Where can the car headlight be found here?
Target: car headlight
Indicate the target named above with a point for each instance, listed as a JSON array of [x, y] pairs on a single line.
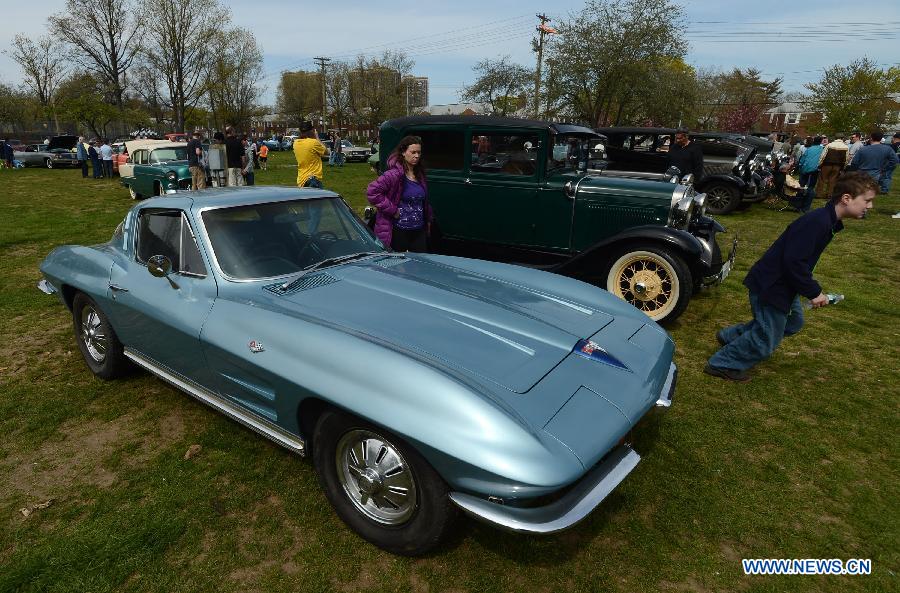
[[172, 175], [683, 205]]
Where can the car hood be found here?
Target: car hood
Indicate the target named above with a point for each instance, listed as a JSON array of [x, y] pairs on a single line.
[[508, 334]]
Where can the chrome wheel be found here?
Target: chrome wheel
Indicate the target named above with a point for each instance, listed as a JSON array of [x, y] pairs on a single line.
[[646, 281], [48, 163], [93, 334], [376, 477]]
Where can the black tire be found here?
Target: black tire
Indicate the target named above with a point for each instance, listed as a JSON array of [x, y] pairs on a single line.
[[48, 163], [721, 198], [423, 515], [98, 343], [651, 278]]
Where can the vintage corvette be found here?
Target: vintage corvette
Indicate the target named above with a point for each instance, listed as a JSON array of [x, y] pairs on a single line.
[[419, 384]]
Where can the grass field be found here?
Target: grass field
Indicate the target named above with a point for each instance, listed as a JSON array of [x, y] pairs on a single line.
[[800, 463]]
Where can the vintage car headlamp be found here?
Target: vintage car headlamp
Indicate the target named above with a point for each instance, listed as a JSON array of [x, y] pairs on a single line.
[[172, 175], [683, 205], [736, 163]]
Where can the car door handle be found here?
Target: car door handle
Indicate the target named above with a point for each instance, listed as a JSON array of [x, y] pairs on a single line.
[[117, 288]]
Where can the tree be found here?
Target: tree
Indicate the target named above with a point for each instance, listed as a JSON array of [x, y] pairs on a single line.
[[81, 99], [299, 96], [499, 83], [105, 36], [853, 97], [43, 68], [180, 35], [16, 107], [603, 56], [375, 86], [734, 101], [233, 79], [337, 93]]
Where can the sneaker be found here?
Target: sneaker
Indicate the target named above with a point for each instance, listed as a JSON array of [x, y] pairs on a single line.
[[896, 215], [720, 338], [728, 374]]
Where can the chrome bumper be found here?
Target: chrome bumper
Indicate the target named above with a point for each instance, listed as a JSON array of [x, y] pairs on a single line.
[[726, 269], [668, 389], [574, 506], [46, 287]]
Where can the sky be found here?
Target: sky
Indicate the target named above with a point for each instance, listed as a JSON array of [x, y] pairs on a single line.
[[792, 40]]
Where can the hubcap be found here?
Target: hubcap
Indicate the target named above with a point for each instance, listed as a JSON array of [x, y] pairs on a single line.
[[92, 334], [717, 198], [376, 477]]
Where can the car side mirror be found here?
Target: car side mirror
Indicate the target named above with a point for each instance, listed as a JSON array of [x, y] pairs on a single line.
[[159, 266]]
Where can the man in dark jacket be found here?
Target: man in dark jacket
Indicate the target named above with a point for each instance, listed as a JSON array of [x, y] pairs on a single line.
[[686, 155], [782, 275]]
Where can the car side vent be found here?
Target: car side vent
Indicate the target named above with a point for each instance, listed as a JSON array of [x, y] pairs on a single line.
[[305, 283], [389, 262]]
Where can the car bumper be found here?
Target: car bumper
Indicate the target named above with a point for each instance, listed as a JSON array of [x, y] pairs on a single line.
[[579, 501], [723, 273]]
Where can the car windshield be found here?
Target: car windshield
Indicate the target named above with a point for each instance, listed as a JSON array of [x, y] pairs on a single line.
[[570, 151], [175, 153], [281, 238]]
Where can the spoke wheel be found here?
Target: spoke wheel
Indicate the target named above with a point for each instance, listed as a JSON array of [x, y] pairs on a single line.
[[98, 343], [651, 280], [380, 486], [721, 199]]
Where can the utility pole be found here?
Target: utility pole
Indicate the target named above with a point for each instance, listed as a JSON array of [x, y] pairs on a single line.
[[322, 62], [542, 29]]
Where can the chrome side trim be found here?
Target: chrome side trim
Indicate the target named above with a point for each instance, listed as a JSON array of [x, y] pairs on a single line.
[[668, 389], [46, 287], [574, 506], [267, 429]]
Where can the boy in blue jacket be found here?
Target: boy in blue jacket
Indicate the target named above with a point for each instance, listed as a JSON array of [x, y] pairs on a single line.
[[783, 274]]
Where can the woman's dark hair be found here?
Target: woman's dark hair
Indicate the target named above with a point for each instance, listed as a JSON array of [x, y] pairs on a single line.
[[397, 155]]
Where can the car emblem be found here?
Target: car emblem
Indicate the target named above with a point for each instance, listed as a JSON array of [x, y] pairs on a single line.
[[595, 351], [255, 346]]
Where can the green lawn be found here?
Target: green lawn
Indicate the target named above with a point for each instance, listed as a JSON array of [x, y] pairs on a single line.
[[800, 463]]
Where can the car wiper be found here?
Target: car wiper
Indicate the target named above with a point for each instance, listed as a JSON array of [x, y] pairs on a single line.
[[333, 261]]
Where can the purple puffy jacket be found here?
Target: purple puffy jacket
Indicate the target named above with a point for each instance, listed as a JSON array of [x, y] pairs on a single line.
[[385, 192]]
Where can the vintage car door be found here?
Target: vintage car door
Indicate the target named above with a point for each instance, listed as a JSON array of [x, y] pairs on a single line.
[[126, 169], [161, 318], [499, 194]]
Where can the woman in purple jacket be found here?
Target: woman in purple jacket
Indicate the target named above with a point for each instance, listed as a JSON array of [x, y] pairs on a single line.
[[400, 197]]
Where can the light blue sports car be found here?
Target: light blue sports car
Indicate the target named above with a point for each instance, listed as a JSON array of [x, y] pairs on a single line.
[[419, 384]]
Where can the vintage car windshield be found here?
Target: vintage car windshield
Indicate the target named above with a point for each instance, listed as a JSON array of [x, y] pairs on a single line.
[[570, 151], [162, 155], [280, 238]]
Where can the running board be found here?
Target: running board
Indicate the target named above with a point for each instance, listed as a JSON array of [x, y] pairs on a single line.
[[267, 429]]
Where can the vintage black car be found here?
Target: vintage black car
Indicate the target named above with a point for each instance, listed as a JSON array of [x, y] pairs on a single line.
[[526, 191], [729, 165]]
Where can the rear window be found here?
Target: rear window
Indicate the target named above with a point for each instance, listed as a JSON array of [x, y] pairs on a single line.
[[442, 149]]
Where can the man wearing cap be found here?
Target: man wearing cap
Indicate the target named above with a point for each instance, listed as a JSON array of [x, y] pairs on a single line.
[[308, 151]]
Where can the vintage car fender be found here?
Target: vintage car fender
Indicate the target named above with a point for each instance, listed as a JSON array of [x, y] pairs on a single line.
[[85, 268], [680, 240], [457, 425]]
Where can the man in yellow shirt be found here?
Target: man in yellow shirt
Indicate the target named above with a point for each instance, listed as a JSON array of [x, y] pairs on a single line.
[[308, 151]]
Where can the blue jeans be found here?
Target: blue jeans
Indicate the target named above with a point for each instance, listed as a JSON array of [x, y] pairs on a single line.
[[885, 181], [313, 182], [748, 344], [805, 199]]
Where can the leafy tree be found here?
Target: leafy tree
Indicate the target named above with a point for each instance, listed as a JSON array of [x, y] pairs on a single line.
[[853, 97], [499, 83], [16, 107], [376, 88], [337, 87], [233, 79], [105, 36], [299, 95], [735, 100], [80, 99], [603, 56]]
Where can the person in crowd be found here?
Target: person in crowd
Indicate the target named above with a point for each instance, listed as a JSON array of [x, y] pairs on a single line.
[[7, 154], [236, 158], [854, 146], [253, 149], [106, 156], [799, 148], [876, 159], [887, 176], [263, 157], [95, 159], [81, 154], [195, 161], [809, 173], [400, 196], [247, 171], [337, 150], [832, 161], [308, 151], [332, 154], [784, 274], [776, 144], [824, 141], [686, 155]]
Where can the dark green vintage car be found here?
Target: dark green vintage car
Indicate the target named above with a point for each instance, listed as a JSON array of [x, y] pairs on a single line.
[[531, 192], [155, 168]]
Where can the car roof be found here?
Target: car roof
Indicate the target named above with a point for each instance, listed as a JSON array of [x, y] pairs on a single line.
[[485, 120], [227, 197], [132, 145]]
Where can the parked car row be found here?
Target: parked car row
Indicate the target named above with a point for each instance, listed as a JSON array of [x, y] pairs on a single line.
[[58, 153]]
